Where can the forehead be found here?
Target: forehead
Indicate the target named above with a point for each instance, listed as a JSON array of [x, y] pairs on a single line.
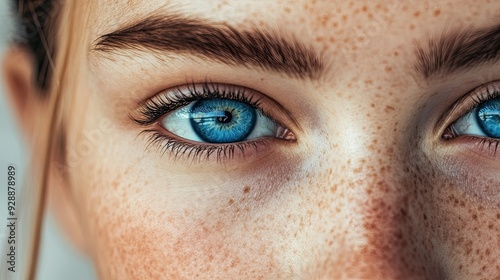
[[343, 30], [321, 16]]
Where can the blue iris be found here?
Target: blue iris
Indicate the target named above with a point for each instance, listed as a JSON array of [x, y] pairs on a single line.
[[222, 120], [488, 117]]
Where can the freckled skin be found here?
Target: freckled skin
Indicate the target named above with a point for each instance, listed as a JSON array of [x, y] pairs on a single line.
[[363, 194]]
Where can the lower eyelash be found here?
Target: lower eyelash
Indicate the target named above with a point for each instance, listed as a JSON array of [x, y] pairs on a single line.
[[486, 146], [179, 148]]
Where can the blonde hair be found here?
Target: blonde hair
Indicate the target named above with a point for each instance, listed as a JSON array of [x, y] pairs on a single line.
[[56, 85]]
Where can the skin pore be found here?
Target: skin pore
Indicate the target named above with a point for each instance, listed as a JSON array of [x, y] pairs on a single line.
[[369, 189]]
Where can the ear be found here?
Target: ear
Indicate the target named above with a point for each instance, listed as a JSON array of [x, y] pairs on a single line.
[[27, 104], [21, 92]]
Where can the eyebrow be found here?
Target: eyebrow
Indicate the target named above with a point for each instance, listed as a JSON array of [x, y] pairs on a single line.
[[458, 50], [265, 49]]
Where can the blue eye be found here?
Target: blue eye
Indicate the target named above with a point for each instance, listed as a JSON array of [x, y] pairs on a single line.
[[219, 120], [484, 121], [222, 120], [488, 117]]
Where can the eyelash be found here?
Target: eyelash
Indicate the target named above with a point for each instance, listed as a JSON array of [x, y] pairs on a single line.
[[478, 96], [153, 109]]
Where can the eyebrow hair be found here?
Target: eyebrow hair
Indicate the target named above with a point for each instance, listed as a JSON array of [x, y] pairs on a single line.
[[458, 50], [216, 41]]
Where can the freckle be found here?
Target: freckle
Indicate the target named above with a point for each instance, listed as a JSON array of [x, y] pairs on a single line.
[[490, 226], [437, 13], [396, 53], [412, 26], [287, 10], [246, 189], [230, 202], [344, 17], [320, 39], [364, 9], [368, 82], [416, 14], [388, 69], [474, 217], [388, 109]]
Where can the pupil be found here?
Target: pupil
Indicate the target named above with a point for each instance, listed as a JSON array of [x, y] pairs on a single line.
[[226, 118]]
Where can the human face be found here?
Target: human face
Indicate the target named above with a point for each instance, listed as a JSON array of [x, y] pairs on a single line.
[[367, 181]]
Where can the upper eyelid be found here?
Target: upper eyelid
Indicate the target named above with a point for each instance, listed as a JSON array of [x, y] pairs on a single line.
[[469, 100], [468, 103], [193, 87], [179, 96]]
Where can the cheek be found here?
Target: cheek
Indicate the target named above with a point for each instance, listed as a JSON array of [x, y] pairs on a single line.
[[141, 223], [459, 229], [464, 230], [133, 239]]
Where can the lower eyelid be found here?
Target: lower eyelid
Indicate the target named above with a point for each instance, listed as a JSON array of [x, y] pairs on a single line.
[[484, 147], [167, 144]]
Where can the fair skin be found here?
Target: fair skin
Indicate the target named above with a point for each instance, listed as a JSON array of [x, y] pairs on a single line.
[[369, 189]]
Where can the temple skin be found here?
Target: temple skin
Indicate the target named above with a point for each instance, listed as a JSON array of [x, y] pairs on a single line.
[[369, 190]]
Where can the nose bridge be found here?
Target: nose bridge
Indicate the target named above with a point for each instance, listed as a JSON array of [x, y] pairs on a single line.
[[374, 185]]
